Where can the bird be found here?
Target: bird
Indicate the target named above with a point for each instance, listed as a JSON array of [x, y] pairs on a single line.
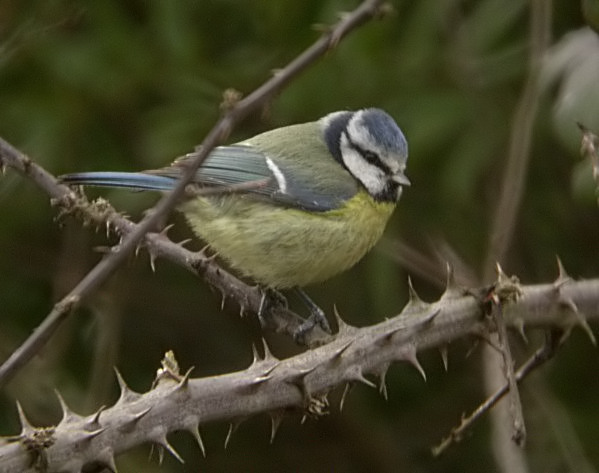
[[328, 188]]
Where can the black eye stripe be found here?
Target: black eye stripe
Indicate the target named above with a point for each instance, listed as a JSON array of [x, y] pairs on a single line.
[[370, 156]]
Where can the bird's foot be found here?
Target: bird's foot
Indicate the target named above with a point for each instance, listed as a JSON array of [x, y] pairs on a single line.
[[271, 299], [317, 317]]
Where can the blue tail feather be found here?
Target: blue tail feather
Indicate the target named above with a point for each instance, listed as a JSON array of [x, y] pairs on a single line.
[[127, 180]]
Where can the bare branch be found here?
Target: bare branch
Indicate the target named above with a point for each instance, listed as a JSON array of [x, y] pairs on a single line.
[[540, 357], [517, 417]]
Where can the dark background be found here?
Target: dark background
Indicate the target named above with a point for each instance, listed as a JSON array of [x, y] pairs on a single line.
[[128, 85]]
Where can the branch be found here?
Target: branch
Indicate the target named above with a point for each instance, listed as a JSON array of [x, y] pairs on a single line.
[[539, 358], [273, 386], [508, 205], [236, 111]]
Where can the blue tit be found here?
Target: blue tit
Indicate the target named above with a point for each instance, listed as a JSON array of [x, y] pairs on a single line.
[[329, 189]]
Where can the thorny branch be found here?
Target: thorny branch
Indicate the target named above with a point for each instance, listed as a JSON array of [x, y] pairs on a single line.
[[235, 112], [297, 384]]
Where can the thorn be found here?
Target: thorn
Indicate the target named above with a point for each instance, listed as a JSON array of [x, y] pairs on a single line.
[[106, 458], [129, 421], [387, 337], [26, 427], [444, 356], [428, 318], [499, 270], [182, 243], [166, 229], [67, 414], [298, 379], [562, 276], [94, 420], [255, 356], [258, 360], [275, 422], [90, 435], [160, 451], [268, 356], [409, 355], [519, 325], [152, 261], [164, 443], [582, 321], [265, 376], [127, 395], [194, 430], [223, 300], [452, 290], [232, 429], [343, 328], [415, 303], [346, 390], [414, 298], [585, 325], [268, 371], [382, 374], [141, 414], [355, 374], [341, 350], [184, 382]]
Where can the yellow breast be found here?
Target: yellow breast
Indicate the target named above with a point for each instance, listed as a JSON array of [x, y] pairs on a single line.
[[284, 247]]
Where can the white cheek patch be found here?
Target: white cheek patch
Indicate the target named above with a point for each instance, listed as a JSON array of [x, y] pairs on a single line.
[[371, 176], [279, 176]]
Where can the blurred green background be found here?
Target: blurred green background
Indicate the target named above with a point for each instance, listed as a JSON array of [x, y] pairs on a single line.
[[132, 84]]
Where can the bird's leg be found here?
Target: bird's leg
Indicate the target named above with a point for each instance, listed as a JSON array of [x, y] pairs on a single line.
[[271, 298], [317, 316]]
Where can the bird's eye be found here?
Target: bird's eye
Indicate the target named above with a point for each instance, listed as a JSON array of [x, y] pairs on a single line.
[[371, 157]]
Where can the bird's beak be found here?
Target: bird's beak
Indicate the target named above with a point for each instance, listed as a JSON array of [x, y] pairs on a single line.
[[401, 179]]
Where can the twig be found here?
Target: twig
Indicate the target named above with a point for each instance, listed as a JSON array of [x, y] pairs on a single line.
[[515, 406], [235, 113], [542, 355]]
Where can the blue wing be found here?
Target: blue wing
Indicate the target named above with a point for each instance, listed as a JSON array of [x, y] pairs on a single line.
[[289, 183]]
